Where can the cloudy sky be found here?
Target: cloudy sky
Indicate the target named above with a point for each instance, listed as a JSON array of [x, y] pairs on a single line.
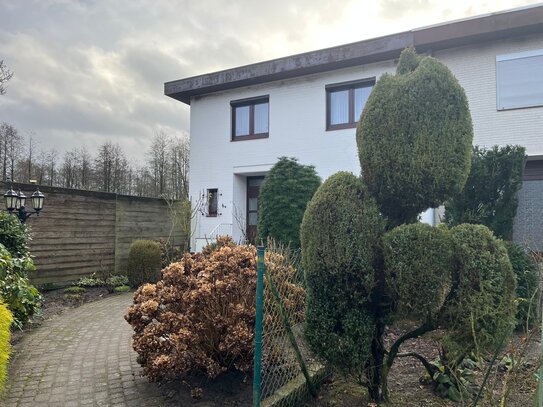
[[89, 71]]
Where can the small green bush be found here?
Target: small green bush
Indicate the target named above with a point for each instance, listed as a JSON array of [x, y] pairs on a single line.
[[74, 290], [340, 235], [121, 289], [418, 268], [113, 282], [21, 297], [527, 275], [490, 194], [284, 195], [143, 263], [14, 235], [91, 281], [6, 319]]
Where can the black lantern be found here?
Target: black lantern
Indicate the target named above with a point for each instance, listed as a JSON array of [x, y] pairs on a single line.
[[16, 202], [10, 198], [37, 200], [21, 200]]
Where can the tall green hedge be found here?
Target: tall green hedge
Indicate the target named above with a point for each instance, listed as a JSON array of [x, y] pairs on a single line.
[[414, 138], [490, 194], [340, 236], [284, 195]]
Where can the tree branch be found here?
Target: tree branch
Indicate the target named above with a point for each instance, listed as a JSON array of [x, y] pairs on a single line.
[[421, 330], [431, 369]]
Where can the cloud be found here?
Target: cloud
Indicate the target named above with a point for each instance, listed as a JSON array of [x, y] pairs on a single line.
[[89, 71]]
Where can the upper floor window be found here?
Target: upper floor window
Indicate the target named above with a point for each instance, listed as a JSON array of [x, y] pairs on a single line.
[[519, 80], [250, 118], [345, 102]]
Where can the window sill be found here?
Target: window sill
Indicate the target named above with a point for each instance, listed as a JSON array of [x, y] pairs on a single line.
[[250, 137], [341, 126]]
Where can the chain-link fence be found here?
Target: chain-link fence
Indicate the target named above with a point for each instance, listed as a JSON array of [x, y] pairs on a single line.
[[286, 372]]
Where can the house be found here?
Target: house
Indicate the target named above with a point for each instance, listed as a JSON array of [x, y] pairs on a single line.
[[307, 106]]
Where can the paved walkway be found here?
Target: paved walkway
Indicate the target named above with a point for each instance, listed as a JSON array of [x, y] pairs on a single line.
[[81, 358]]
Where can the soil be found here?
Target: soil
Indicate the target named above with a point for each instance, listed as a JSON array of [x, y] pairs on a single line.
[[231, 389], [408, 387]]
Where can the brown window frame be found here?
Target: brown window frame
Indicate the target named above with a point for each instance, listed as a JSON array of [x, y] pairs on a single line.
[[350, 86], [212, 192], [251, 102]]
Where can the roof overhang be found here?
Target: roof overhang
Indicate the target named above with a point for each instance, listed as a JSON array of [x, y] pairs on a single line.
[[494, 26]]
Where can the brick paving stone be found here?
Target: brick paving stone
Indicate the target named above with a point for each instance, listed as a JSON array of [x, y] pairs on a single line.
[[80, 358]]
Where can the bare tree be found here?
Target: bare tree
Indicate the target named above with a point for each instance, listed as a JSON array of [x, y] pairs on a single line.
[[5, 76], [179, 168], [51, 168], [84, 168], [10, 150], [158, 161], [68, 171]]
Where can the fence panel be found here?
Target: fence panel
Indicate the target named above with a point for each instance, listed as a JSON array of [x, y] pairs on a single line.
[[286, 362]]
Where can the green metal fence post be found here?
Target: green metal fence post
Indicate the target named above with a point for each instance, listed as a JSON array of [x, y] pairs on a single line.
[[540, 381], [260, 270], [290, 334]]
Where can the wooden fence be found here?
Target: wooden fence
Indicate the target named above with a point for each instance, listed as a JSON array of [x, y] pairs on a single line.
[[83, 232]]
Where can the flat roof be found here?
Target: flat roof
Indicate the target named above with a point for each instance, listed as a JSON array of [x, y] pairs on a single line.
[[520, 21]]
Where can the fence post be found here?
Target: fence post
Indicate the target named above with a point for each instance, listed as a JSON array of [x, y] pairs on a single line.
[[260, 270], [540, 381], [290, 334]]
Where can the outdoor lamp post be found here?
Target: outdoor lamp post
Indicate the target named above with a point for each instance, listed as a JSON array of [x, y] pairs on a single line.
[[16, 201]]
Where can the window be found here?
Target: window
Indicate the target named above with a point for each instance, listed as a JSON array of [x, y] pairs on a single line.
[[250, 118], [345, 102], [519, 80], [212, 201]]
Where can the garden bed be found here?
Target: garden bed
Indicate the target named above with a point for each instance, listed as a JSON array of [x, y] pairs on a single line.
[[408, 388]]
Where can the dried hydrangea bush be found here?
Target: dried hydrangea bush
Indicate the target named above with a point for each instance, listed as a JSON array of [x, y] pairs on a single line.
[[200, 317]]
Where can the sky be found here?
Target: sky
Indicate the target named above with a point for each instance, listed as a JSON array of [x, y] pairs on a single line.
[[91, 71]]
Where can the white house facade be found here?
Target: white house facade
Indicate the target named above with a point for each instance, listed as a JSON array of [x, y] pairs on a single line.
[[306, 106]]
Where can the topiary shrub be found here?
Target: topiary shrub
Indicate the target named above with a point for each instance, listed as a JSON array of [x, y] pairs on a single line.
[[5, 334], [14, 235], [340, 234], [490, 194], [414, 141], [200, 317], [481, 310], [418, 259], [284, 195], [21, 297], [414, 138], [527, 275], [143, 263]]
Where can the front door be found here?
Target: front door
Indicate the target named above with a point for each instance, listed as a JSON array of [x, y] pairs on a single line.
[[253, 190]]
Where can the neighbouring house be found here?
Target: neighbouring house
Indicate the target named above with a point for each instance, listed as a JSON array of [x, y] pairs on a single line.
[[307, 106]]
